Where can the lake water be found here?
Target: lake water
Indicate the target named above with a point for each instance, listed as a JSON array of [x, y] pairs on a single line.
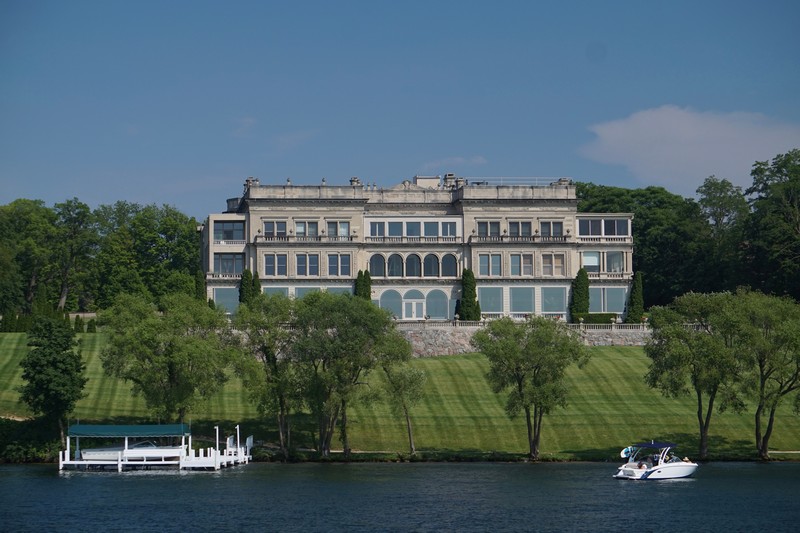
[[401, 497]]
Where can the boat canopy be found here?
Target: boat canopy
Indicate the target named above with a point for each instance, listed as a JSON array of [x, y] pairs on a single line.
[[145, 430]]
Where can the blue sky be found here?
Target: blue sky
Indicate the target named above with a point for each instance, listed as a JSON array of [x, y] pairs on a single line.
[[177, 102]]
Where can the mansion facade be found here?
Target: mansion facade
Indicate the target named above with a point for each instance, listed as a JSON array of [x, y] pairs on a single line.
[[524, 241]]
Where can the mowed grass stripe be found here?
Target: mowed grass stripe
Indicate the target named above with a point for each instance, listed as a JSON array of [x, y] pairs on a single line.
[[13, 347]]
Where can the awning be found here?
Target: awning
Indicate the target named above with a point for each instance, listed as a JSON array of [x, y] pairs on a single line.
[[145, 430]]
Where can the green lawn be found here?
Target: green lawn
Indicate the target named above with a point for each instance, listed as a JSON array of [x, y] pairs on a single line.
[[609, 406]]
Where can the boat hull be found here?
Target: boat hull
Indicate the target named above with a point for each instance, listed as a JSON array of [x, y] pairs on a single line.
[[664, 471]]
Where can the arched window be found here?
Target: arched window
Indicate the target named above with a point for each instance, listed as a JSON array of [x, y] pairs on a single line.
[[392, 302], [395, 266], [377, 266], [413, 266], [436, 305], [449, 268], [431, 266]]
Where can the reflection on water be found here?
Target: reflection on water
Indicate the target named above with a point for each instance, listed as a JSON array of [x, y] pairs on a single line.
[[401, 497]]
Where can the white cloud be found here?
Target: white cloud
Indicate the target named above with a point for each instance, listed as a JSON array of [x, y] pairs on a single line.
[[678, 148], [450, 163]]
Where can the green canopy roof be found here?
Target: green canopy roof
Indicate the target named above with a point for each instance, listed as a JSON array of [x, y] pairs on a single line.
[[146, 430]]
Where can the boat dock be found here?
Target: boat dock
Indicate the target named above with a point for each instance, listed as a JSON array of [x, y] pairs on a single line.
[[129, 456]]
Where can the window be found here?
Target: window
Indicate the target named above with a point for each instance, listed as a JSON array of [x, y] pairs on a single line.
[[554, 300], [521, 264], [377, 229], [553, 265], [339, 264], [448, 229], [431, 229], [590, 227], [431, 266], [607, 300], [491, 299], [413, 266], [377, 266], [591, 261], [489, 229], [552, 229], [521, 299], [307, 264], [395, 229], [307, 228], [519, 229], [412, 229], [436, 304], [489, 264], [229, 263], [614, 262], [616, 226], [449, 266], [275, 265], [274, 228], [338, 228], [228, 231], [395, 266]]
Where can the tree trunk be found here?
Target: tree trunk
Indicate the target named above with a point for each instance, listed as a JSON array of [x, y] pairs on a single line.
[[763, 445], [411, 446], [345, 440], [531, 449], [62, 432], [704, 422], [759, 446], [538, 415], [62, 300]]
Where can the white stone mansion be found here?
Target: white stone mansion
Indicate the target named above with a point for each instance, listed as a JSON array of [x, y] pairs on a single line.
[[523, 239]]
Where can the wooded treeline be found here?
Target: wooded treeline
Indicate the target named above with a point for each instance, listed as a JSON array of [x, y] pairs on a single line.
[[72, 258]]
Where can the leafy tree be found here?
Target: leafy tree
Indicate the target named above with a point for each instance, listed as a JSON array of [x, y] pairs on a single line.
[[636, 301], [773, 230], [174, 356], [767, 330], [529, 360], [78, 326], [698, 360], [91, 326], [74, 245], [363, 285], [53, 371], [340, 340], [470, 308], [405, 387], [266, 370], [256, 290], [579, 303], [200, 285], [246, 286], [116, 269]]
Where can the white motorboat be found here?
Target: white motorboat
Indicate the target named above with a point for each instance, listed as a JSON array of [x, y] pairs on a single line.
[[654, 460], [141, 450]]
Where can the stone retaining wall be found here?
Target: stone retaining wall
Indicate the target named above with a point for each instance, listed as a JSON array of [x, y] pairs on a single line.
[[433, 340]]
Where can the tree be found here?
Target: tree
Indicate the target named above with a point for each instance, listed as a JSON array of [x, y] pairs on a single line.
[[74, 245], [200, 285], [266, 369], [691, 351], [53, 371], [363, 285], [469, 308], [175, 355], [767, 330], [579, 304], [246, 286], [529, 360], [405, 387], [636, 301], [340, 340], [256, 290]]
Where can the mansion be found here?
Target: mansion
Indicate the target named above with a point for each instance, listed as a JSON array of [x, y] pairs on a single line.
[[524, 240]]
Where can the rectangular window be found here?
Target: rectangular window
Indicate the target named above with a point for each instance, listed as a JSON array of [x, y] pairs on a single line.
[[552, 229], [228, 231], [489, 229], [306, 228], [448, 229], [554, 300], [607, 300], [338, 228], [614, 262], [275, 265], [591, 261], [490, 264], [275, 228], [553, 265], [491, 299], [412, 229], [395, 229], [229, 263], [307, 264], [431, 229], [616, 227], [338, 264], [519, 229], [590, 227], [377, 229], [522, 264], [521, 299]]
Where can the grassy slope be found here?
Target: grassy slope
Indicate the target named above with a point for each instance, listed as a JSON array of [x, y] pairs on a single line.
[[609, 406]]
